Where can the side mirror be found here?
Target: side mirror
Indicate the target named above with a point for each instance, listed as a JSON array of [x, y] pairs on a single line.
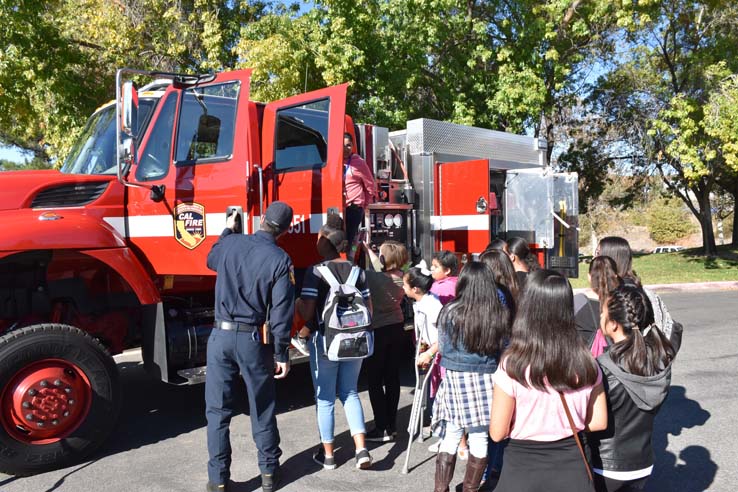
[[127, 129], [129, 110]]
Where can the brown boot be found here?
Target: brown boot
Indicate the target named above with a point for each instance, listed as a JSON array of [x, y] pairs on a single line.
[[474, 471], [445, 464]]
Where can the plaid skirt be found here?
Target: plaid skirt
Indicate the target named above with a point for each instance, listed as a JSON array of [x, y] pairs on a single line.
[[464, 398]]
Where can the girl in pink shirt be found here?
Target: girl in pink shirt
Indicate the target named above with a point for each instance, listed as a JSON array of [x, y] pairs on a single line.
[[545, 365], [444, 270]]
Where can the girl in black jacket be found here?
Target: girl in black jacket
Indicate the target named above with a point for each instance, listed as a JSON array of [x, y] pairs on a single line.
[[636, 373]]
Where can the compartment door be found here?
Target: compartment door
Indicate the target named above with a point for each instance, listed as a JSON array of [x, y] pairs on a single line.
[[302, 160], [564, 256], [462, 220]]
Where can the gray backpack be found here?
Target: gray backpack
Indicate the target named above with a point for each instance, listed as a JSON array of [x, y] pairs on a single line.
[[347, 333]]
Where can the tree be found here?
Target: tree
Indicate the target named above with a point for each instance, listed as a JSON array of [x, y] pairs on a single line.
[[668, 221], [60, 57], [721, 123], [36, 163], [676, 53], [498, 64]]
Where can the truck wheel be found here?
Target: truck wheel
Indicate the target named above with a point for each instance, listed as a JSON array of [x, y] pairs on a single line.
[[59, 397]]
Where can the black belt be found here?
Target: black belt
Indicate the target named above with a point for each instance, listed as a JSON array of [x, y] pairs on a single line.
[[235, 326]]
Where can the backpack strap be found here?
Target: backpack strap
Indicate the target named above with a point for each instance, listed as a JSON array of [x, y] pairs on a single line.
[[353, 276], [328, 276]]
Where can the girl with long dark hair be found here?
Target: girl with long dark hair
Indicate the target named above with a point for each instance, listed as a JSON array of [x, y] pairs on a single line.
[[472, 329], [619, 250], [546, 374], [504, 274], [522, 259], [603, 278], [637, 375]]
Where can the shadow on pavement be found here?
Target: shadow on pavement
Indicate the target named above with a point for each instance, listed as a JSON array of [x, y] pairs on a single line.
[[697, 470], [153, 411]]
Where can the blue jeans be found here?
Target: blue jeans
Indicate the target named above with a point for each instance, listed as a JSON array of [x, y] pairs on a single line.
[[331, 379]]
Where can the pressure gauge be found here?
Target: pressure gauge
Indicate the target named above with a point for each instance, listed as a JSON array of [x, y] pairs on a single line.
[[388, 221], [398, 220]]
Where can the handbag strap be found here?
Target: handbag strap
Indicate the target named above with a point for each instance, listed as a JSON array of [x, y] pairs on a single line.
[[576, 436]]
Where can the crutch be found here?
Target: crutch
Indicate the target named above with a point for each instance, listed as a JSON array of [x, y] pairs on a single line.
[[417, 410]]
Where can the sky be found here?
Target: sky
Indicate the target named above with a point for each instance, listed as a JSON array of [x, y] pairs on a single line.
[[13, 154]]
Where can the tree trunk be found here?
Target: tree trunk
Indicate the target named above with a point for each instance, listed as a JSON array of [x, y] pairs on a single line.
[[734, 241], [709, 248]]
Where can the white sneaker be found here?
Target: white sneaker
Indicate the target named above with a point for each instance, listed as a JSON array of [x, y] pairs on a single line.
[[301, 345], [433, 448]]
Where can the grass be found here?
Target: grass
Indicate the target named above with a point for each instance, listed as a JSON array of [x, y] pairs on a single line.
[[683, 267]]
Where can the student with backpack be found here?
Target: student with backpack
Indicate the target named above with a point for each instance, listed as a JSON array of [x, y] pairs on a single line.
[[637, 375], [603, 278], [472, 330], [335, 302], [547, 389]]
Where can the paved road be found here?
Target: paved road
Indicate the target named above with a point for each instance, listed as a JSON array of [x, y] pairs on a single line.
[[160, 442]]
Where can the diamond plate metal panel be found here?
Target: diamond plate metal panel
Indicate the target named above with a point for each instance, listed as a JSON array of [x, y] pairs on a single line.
[[438, 137]]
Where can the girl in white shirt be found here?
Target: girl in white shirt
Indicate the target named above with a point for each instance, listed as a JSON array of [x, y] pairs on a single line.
[[417, 284]]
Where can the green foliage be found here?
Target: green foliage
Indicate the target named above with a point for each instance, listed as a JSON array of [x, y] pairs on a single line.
[[668, 221], [36, 163], [60, 57], [656, 98]]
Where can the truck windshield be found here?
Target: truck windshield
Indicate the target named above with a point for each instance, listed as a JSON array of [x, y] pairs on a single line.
[[94, 152]]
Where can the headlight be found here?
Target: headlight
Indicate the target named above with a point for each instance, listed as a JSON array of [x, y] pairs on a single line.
[[388, 221], [398, 220]]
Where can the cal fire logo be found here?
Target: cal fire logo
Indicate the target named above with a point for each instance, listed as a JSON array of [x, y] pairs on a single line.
[[189, 224]]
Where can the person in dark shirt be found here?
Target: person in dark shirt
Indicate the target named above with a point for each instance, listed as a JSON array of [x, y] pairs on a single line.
[[254, 303]]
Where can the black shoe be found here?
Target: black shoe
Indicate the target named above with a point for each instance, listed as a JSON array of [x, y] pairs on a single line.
[[211, 487], [269, 481], [363, 459], [327, 462], [377, 435]]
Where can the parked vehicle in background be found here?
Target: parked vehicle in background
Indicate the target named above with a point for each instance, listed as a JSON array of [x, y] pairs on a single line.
[[667, 249]]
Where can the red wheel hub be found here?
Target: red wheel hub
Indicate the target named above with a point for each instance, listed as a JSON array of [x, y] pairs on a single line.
[[45, 401]]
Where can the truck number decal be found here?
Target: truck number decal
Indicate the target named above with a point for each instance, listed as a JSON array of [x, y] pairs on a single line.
[[298, 225]]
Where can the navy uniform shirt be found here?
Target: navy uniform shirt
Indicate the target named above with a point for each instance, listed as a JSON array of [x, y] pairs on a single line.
[[253, 272]]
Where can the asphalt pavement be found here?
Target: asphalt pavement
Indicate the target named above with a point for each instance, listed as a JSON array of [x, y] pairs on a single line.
[[159, 445]]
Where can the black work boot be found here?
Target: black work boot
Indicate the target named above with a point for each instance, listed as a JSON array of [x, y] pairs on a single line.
[[212, 487], [269, 481]]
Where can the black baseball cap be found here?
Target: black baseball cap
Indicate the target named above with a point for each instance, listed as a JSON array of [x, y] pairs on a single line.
[[278, 215]]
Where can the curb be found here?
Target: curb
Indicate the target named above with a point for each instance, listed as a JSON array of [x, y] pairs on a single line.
[[691, 287], [686, 287]]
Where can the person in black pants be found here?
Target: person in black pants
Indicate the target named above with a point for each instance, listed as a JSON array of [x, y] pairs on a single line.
[[383, 371], [254, 302]]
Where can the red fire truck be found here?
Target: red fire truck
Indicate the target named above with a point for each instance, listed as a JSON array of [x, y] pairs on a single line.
[[108, 253]]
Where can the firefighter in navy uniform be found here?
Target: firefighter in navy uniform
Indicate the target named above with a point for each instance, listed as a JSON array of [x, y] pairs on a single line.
[[254, 286]]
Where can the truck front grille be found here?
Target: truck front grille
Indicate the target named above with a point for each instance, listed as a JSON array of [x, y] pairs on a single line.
[[69, 195]]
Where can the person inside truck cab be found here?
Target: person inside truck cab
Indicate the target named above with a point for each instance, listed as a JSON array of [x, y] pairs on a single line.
[[359, 187]]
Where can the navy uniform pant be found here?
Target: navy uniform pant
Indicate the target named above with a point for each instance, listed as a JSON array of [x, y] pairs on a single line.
[[231, 354]]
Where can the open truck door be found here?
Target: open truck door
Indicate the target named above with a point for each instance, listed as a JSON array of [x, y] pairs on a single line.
[[462, 222], [542, 207], [302, 164]]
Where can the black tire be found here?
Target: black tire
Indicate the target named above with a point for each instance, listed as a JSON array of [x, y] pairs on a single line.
[[32, 344]]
